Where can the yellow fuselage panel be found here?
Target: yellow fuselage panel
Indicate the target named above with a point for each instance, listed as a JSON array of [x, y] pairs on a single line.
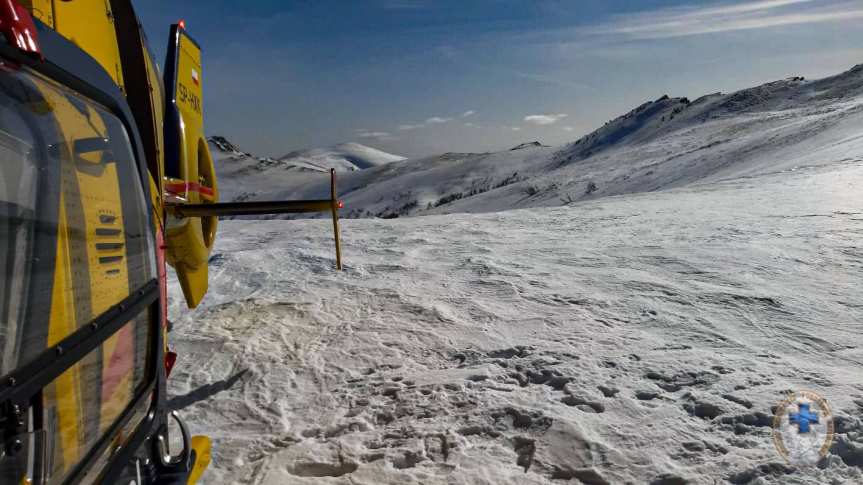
[[64, 390], [90, 25], [190, 240], [91, 180], [189, 103], [157, 105]]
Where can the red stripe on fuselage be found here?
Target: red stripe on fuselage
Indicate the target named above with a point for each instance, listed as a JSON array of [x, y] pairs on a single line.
[[183, 187]]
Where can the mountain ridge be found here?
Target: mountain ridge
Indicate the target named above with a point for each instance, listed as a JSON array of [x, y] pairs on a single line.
[[348, 156], [661, 144]]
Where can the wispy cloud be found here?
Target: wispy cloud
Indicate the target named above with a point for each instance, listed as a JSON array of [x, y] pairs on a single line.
[[568, 128], [750, 6], [692, 20], [545, 119], [376, 135], [436, 120]]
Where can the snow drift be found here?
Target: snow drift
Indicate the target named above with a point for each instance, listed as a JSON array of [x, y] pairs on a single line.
[[634, 339]]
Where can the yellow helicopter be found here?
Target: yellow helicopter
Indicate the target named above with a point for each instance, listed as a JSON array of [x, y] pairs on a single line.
[[105, 177]]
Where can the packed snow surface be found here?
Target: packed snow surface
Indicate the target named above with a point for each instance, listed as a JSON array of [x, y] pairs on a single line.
[[624, 340]]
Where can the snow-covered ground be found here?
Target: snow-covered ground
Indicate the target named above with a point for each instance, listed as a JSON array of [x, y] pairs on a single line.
[[640, 338]]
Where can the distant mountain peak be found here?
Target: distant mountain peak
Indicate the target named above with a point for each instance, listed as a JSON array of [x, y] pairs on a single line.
[[344, 157], [222, 143], [530, 144], [349, 156]]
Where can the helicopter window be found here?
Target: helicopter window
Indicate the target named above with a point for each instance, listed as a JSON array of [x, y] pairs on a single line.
[[17, 203], [81, 247]]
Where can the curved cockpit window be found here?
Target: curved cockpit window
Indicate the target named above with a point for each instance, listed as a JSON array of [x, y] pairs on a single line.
[[75, 240]]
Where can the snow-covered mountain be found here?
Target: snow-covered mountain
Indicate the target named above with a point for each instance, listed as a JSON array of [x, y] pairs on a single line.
[[662, 144], [242, 173], [343, 157]]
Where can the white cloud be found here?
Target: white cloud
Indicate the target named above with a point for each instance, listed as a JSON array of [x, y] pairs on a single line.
[[691, 20], [379, 135], [546, 119], [515, 128], [471, 125], [751, 6], [568, 128], [436, 120]]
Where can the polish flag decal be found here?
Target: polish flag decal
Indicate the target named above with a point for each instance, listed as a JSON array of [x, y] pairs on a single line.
[[195, 78]]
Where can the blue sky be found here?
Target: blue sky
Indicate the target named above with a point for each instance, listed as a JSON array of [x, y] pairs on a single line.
[[419, 77]]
